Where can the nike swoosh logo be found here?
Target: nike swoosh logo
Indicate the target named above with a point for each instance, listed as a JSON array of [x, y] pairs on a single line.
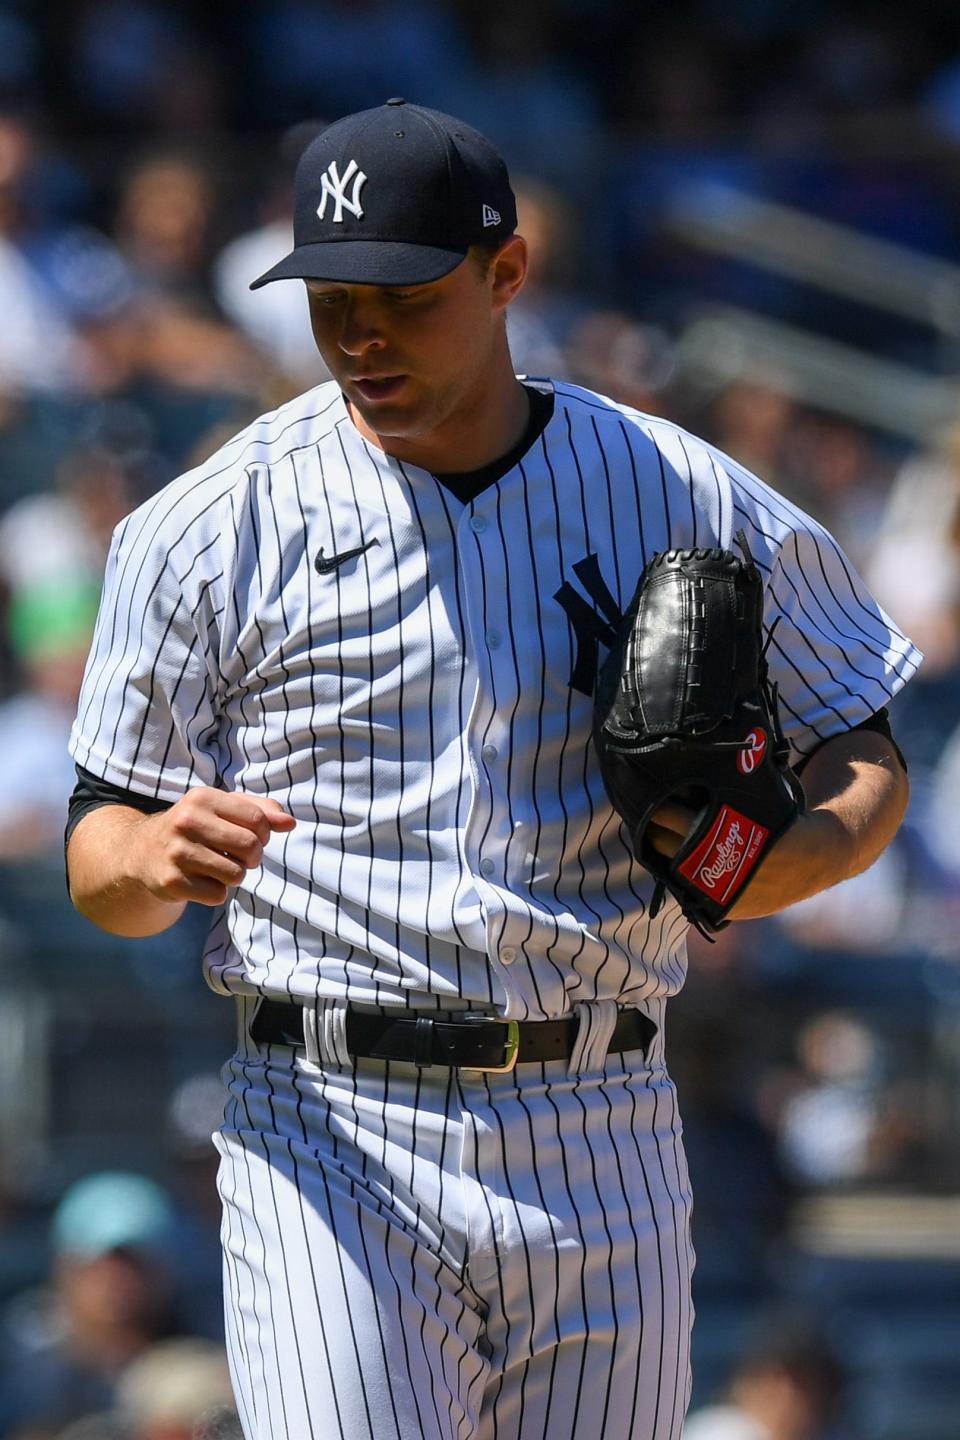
[[326, 564]]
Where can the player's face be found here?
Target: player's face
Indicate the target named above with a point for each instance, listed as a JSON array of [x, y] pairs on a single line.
[[410, 359]]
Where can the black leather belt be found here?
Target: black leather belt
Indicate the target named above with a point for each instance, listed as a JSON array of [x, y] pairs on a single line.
[[475, 1042]]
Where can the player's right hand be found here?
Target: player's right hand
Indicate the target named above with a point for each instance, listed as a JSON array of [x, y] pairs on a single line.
[[204, 844]]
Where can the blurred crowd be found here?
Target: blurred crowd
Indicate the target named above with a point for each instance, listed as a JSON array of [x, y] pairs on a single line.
[[146, 159]]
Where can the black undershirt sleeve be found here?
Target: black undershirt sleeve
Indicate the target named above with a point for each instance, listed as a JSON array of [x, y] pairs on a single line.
[[90, 792]]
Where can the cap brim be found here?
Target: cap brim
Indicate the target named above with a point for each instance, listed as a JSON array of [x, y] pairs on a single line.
[[364, 262]]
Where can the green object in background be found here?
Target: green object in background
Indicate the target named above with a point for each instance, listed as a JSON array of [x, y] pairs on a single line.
[[52, 618]]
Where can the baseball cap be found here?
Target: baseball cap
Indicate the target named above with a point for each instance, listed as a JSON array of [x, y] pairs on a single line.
[[112, 1210], [394, 196]]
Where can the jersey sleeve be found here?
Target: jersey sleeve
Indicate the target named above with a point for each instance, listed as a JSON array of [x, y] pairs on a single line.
[[836, 656], [147, 717]]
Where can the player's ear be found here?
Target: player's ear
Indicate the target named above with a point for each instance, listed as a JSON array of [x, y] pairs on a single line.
[[508, 270]]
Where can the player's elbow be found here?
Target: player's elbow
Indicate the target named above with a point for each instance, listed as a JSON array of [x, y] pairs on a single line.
[[901, 799], [117, 916], [874, 821]]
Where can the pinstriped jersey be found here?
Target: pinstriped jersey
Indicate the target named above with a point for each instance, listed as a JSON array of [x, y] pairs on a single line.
[[420, 700]]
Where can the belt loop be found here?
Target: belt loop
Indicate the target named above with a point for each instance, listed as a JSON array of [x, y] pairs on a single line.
[[423, 1041], [325, 1033], [597, 1019], [246, 1010]]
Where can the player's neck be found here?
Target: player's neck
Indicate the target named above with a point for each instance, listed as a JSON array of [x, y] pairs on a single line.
[[484, 426]]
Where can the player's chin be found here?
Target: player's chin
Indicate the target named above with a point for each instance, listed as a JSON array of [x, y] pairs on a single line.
[[398, 414]]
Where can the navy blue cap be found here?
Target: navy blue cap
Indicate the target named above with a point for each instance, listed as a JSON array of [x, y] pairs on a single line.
[[394, 196]]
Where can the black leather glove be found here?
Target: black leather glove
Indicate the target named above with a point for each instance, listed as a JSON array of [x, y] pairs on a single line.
[[685, 712]]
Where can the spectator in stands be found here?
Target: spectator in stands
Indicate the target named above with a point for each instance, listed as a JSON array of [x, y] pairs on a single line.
[[836, 470], [788, 1385], [754, 422], [39, 349], [61, 536], [53, 545], [543, 312], [65, 1350], [275, 318], [165, 222], [175, 1387], [830, 1111]]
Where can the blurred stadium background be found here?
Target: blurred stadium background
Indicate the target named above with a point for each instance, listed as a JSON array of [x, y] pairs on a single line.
[[745, 217]]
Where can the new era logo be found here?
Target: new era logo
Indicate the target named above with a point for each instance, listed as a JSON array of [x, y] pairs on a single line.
[[333, 186], [490, 216]]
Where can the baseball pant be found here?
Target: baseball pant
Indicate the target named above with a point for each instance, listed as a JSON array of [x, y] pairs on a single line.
[[434, 1254]]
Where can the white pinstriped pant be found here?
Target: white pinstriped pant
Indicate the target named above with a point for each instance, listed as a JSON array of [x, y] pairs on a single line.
[[445, 1255]]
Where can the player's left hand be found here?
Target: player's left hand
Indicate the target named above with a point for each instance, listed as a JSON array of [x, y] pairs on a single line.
[[856, 793], [669, 827]]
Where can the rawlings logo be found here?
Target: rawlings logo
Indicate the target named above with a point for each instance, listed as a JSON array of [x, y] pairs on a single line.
[[728, 856], [754, 749]]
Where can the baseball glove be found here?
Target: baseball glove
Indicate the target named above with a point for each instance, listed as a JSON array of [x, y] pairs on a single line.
[[685, 712]]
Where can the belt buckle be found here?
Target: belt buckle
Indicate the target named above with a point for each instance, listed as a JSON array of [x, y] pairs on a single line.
[[511, 1044]]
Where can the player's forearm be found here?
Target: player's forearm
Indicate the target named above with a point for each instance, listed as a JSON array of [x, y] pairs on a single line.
[[856, 794], [102, 869]]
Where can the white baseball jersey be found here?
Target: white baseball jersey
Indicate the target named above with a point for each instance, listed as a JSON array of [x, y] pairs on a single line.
[[306, 617], [437, 1254]]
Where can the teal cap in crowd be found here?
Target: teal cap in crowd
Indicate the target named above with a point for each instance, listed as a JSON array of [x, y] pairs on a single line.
[[111, 1210]]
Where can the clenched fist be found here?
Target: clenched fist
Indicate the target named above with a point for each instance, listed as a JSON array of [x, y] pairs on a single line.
[[204, 843], [133, 874]]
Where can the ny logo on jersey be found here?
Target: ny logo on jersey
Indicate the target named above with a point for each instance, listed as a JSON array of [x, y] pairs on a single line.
[[589, 629], [333, 186]]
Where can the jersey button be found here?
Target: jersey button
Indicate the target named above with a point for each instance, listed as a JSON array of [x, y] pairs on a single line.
[[487, 867], [508, 954], [478, 524], [493, 639], [489, 752]]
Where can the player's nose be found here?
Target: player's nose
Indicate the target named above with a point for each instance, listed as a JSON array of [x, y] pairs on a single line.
[[362, 326]]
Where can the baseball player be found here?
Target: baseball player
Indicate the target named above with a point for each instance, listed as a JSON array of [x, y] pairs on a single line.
[[340, 693]]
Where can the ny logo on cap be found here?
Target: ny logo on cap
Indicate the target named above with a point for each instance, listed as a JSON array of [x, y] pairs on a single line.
[[333, 186]]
